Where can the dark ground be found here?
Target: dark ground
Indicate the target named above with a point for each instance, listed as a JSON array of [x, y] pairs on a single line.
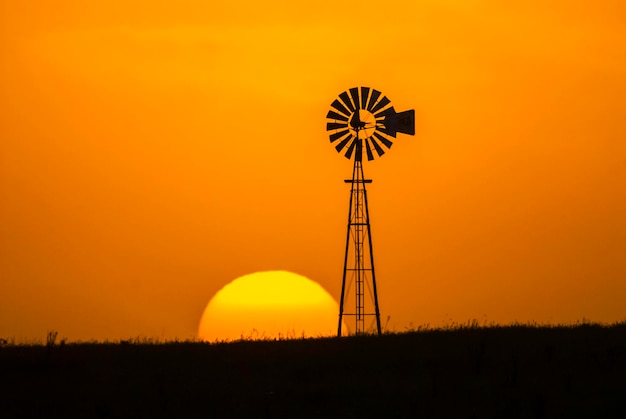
[[473, 372]]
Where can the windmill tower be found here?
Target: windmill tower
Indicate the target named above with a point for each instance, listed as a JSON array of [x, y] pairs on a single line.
[[362, 119]]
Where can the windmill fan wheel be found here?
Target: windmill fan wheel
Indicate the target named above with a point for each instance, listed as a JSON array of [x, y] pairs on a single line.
[[363, 116]]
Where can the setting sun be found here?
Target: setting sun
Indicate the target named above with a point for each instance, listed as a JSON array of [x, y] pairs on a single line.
[[271, 304]]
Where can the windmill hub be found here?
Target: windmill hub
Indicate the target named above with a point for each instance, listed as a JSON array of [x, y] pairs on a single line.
[[363, 123]]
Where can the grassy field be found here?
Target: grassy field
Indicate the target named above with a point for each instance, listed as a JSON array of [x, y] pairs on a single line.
[[465, 372]]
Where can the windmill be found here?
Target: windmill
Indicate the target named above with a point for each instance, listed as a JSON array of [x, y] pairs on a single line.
[[362, 119]]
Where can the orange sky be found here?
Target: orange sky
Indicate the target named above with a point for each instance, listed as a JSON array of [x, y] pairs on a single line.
[[151, 152]]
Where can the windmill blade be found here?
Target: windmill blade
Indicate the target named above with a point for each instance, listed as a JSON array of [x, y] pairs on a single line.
[[334, 137], [350, 149], [377, 147], [343, 143], [381, 127], [354, 92], [383, 140], [347, 101], [390, 111], [336, 116], [373, 99], [336, 125], [365, 91], [368, 149], [381, 104], [339, 106]]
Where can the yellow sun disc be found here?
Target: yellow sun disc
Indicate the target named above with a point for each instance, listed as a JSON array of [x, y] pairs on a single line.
[[269, 305]]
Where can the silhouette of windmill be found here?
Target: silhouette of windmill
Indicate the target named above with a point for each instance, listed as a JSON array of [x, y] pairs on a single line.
[[362, 118]]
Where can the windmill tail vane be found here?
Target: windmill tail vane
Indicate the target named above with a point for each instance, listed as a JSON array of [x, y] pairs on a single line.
[[362, 119]]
